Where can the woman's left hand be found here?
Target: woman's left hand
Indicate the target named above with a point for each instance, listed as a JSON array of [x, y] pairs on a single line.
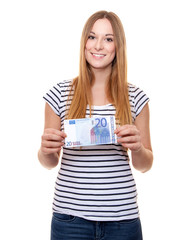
[[129, 137]]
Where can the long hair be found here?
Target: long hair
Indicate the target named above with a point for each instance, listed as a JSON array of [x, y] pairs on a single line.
[[117, 87]]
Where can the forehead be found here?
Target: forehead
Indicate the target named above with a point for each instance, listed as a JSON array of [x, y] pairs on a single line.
[[102, 26]]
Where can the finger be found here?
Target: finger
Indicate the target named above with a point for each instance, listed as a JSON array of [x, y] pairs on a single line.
[[55, 132], [127, 132], [129, 139], [52, 137], [118, 129], [132, 146], [50, 150], [52, 144]]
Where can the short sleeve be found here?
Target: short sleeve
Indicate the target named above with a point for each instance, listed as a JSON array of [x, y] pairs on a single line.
[[53, 98], [137, 99], [140, 100]]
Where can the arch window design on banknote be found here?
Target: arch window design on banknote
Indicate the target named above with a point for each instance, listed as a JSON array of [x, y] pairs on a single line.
[[100, 132]]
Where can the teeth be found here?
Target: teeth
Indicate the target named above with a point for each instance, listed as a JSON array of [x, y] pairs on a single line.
[[98, 55]]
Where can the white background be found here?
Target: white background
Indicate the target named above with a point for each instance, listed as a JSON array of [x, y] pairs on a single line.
[[39, 46]]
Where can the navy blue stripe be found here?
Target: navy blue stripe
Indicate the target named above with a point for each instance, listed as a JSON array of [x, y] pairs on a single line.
[[113, 216], [93, 183], [96, 200], [98, 194], [96, 155], [55, 96], [146, 100], [92, 205], [96, 149], [139, 100], [91, 172], [97, 189], [57, 89], [108, 160], [90, 166]]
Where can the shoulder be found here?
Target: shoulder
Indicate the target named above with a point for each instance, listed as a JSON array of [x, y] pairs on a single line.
[[57, 96], [62, 89], [65, 84], [136, 92]]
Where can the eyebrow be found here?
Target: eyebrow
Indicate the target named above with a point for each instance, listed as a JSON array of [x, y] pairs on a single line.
[[108, 34]]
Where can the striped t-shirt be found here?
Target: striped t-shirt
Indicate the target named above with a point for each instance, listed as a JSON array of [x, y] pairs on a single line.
[[95, 182]]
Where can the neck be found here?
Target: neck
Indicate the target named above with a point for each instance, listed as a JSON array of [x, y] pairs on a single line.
[[101, 76], [99, 87]]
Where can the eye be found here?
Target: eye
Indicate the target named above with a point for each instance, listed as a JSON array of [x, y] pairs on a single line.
[[109, 39], [91, 37]]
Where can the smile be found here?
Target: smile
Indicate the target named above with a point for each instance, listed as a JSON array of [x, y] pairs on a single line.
[[98, 55]]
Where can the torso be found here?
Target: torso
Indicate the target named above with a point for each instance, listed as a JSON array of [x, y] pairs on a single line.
[[95, 182]]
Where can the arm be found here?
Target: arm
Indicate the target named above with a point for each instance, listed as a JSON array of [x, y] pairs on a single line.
[[52, 140], [137, 138]]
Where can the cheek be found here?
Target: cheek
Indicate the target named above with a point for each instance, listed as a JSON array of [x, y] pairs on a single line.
[[87, 48], [86, 53], [113, 53], [88, 45], [112, 50]]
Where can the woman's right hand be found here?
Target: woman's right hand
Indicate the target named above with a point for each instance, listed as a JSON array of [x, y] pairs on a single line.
[[52, 141]]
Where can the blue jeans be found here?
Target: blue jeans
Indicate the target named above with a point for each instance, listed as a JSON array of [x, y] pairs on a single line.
[[66, 227]]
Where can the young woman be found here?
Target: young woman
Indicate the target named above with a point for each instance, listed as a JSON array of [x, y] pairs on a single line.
[[95, 193]]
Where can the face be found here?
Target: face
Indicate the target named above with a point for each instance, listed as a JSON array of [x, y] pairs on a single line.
[[100, 47]]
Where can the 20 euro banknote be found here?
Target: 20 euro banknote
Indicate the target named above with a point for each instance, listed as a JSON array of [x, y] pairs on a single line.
[[90, 131]]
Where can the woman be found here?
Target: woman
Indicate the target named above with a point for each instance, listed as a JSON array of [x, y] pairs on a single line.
[[95, 193]]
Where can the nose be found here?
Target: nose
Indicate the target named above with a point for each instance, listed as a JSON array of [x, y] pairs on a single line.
[[99, 44]]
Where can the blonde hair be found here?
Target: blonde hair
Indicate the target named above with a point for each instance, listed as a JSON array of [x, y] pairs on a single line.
[[117, 88]]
